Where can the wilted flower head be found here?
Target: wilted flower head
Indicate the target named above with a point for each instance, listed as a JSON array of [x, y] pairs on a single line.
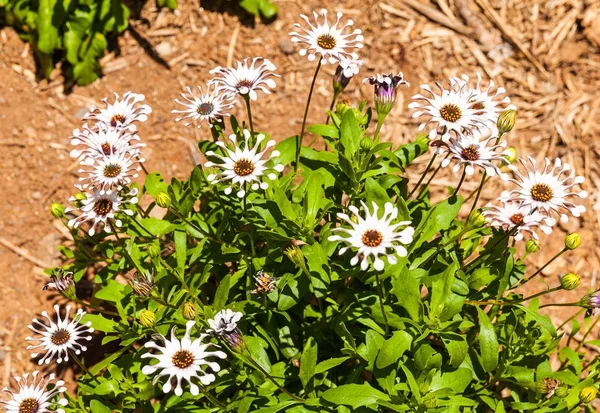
[[265, 283], [547, 189], [224, 325], [327, 40], [246, 79], [60, 337], [385, 90], [122, 113], [63, 282], [209, 106], [182, 360], [33, 395], [244, 166], [514, 213], [547, 387], [141, 284]]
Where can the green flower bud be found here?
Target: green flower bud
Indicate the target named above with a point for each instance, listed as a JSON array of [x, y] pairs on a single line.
[[77, 198], [154, 249], [163, 200], [147, 318], [569, 281], [587, 394], [57, 210], [532, 246], [572, 241], [366, 144], [510, 154], [506, 121], [562, 391], [188, 310], [476, 219], [294, 253], [430, 403]]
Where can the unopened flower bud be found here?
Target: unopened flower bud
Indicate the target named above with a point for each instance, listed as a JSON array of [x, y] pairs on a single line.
[[506, 121], [77, 198], [366, 144], [154, 249], [569, 281], [57, 210], [63, 282], [163, 200], [562, 391], [510, 154], [532, 246], [188, 310], [547, 387], [430, 402], [385, 91], [346, 70], [147, 318], [572, 241], [587, 394], [294, 253], [476, 219], [141, 284]]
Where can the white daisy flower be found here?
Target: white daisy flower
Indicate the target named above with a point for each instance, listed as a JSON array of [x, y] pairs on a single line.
[[33, 395], [122, 113], [99, 206], [547, 190], [448, 109], [487, 103], [241, 166], [515, 213], [470, 151], [204, 107], [346, 70], [182, 360], [115, 170], [225, 322], [104, 140], [245, 79], [327, 40], [61, 337], [374, 236]]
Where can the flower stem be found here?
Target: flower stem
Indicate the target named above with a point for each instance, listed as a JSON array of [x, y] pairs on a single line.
[[494, 302], [93, 307], [506, 234], [335, 96], [560, 304], [478, 193], [423, 175], [196, 227], [139, 224], [213, 399], [524, 281], [271, 379], [571, 318], [247, 99], [462, 178], [82, 366], [299, 137], [380, 121], [422, 191], [380, 294], [114, 230]]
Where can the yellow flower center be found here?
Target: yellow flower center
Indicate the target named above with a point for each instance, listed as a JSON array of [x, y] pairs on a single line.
[[102, 206], [243, 167], [60, 337], [372, 238], [541, 192], [450, 112], [182, 359], [326, 41], [29, 405], [112, 170]]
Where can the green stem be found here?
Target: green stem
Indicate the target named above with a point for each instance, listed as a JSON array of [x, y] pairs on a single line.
[[478, 193], [139, 224], [82, 366], [159, 300], [93, 307], [494, 302], [380, 294], [507, 234], [380, 121], [462, 178], [423, 175], [213, 399], [422, 191], [571, 318], [587, 333], [271, 379], [196, 227], [247, 99], [301, 136], [560, 304], [114, 230], [185, 285], [524, 281], [335, 96]]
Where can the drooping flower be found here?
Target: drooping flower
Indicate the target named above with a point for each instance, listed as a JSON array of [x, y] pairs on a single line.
[[470, 151], [265, 283], [33, 395], [122, 113], [385, 90], [549, 189], [182, 360], [447, 109], [60, 337], [104, 140], [99, 206], [327, 40], [224, 326], [63, 282], [112, 171], [346, 70], [209, 106], [245, 79], [515, 213], [244, 166], [374, 236]]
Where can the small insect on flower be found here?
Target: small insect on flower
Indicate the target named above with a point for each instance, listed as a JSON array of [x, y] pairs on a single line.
[[103, 141], [100, 206], [224, 326], [244, 166], [447, 110], [245, 79], [61, 337], [327, 40], [33, 395], [547, 189], [385, 90], [515, 213], [209, 106], [470, 151], [112, 171], [264, 283], [182, 360], [374, 236], [63, 282], [122, 113]]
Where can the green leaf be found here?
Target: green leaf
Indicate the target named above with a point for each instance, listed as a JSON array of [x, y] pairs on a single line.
[[438, 218], [222, 294], [457, 347], [393, 348], [108, 387], [375, 192], [488, 342], [329, 131], [410, 151], [308, 361], [441, 288], [93, 47], [100, 323], [407, 290], [329, 364], [50, 19], [72, 41], [98, 407], [112, 292], [354, 395], [155, 184], [180, 251], [351, 133], [86, 72], [256, 347], [267, 9]]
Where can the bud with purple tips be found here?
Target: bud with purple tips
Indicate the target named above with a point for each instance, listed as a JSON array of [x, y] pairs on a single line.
[[386, 88]]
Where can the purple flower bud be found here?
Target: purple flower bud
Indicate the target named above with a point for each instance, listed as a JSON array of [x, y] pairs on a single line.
[[385, 89]]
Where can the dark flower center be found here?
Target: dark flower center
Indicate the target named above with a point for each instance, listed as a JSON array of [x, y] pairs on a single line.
[[471, 153], [102, 206], [183, 359], [372, 238], [60, 337], [116, 119], [112, 170], [478, 106], [244, 83], [326, 41], [243, 167], [541, 192], [29, 405], [106, 148], [517, 219], [205, 109], [450, 112]]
